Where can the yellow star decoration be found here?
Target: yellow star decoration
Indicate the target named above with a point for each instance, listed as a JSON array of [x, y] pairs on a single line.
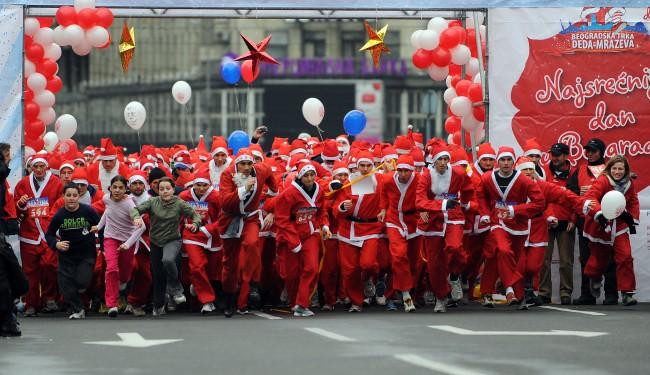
[[375, 42], [127, 46]]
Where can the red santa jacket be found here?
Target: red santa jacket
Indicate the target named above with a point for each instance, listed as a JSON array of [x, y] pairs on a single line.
[[561, 212], [37, 212], [434, 189], [522, 197], [360, 222], [298, 216], [238, 205], [473, 223], [207, 206], [94, 177], [617, 227], [399, 202], [553, 196], [10, 206]]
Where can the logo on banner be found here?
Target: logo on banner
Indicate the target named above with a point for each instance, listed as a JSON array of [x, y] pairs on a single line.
[[574, 87]]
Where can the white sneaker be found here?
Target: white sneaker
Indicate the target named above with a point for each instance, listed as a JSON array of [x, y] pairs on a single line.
[[354, 309], [409, 306], [369, 288], [302, 312], [441, 306], [128, 309], [81, 314], [456, 289], [159, 311], [327, 307], [139, 311], [180, 298], [192, 290], [381, 301], [112, 312], [207, 308]]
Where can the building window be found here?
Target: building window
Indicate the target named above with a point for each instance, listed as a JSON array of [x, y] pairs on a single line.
[[279, 46], [74, 69], [351, 41], [313, 44]]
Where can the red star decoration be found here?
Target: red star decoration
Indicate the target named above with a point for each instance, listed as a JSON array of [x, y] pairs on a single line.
[[257, 53]]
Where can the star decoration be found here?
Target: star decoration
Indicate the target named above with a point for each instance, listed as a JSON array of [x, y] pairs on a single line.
[[375, 42], [127, 46], [257, 53]]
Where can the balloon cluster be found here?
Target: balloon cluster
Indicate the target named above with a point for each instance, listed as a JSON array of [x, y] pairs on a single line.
[[83, 26], [445, 46], [465, 108], [232, 72]]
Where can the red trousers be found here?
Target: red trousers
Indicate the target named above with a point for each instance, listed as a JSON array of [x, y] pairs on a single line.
[[119, 268], [601, 256], [404, 255], [247, 242], [141, 278], [204, 265], [329, 273], [445, 255], [40, 265], [530, 263], [250, 271], [357, 265], [501, 254], [473, 245], [302, 270]]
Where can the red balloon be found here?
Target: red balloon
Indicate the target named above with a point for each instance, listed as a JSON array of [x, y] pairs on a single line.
[[461, 32], [462, 87], [454, 80], [27, 41], [86, 18], [450, 38], [103, 17], [479, 113], [454, 70], [36, 143], [54, 84], [31, 110], [456, 138], [28, 95], [67, 148], [35, 52], [440, 57], [34, 129], [45, 21], [48, 68], [452, 124], [247, 71], [66, 16], [475, 92], [421, 58], [453, 23]]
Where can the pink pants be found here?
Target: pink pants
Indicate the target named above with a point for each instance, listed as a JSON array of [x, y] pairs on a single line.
[[119, 266]]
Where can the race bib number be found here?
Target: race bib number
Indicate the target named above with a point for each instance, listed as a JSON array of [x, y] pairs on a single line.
[[305, 214], [448, 196], [38, 208], [201, 208], [503, 210]]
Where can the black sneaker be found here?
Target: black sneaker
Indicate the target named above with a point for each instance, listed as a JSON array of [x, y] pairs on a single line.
[[230, 302], [610, 300], [628, 299], [544, 299], [585, 300], [10, 327], [254, 297], [566, 300]]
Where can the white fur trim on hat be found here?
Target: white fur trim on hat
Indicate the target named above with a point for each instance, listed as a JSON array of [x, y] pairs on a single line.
[[107, 157], [305, 169], [244, 157], [460, 162], [485, 156], [405, 166], [202, 180], [298, 151], [40, 159], [526, 165], [329, 158], [504, 154], [80, 181], [439, 155], [68, 165], [136, 177], [533, 152], [401, 151], [364, 159], [389, 156], [218, 150], [257, 153], [419, 164], [340, 170], [343, 139]]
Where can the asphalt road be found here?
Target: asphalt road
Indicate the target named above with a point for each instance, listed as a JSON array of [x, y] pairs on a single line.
[[604, 340]]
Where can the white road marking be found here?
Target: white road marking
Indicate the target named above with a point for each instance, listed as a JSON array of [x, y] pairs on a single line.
[[440, 367], [133, 340], [266, 316], [573, 311], [554, 332], [330, 335]]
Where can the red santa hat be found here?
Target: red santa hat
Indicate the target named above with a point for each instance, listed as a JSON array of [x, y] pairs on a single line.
[[485, 151], [304, 167], [524, 162], [284, 151], [340, 167], [277, 142], [40, 157], [145, 163], [202, 176], [183, 161], [201, 148], [343, 138], [89, 150], [67, 164], [458, 155], [79, 158], [418, 139], [532, 147], [298, 146], [505, 151], [244, 154], [54, 162], [403, 144], [388, 153], [185, 178], [330, 150], [107, 150], [437, 150], [364, 156], [219, 144], [377, 153], [297, 159], [256, 150], [138, 175], [418, 157], [312, 141], [406, 162], [316, 149], [80, 176]]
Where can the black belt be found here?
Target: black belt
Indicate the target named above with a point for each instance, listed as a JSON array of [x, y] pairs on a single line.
[[360, 220]]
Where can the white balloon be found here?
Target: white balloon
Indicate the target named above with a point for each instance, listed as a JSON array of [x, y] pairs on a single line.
[[448, 82], [449, 95], [65, 126], [182, 92], [428, 39], [74, 35], [36, 82], [59, 36], [460, 54], [304, 136], [31, 26], [47, 115], [45, 99], [415, 39], [83, 48], [83, 4], [53, 52], [44, 36], [469, 122], [613, 204], [450, 139], [479, 134], [472, 67], [97, 36], [461, 106], [30, 68], [50, 139], [314, 111], [437, 24], [438, 73], [135, 114], [477, 78], [29, 152]]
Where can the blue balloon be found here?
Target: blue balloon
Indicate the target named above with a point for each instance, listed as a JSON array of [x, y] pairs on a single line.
[[354, 122], [231, 72], [238, 139]]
